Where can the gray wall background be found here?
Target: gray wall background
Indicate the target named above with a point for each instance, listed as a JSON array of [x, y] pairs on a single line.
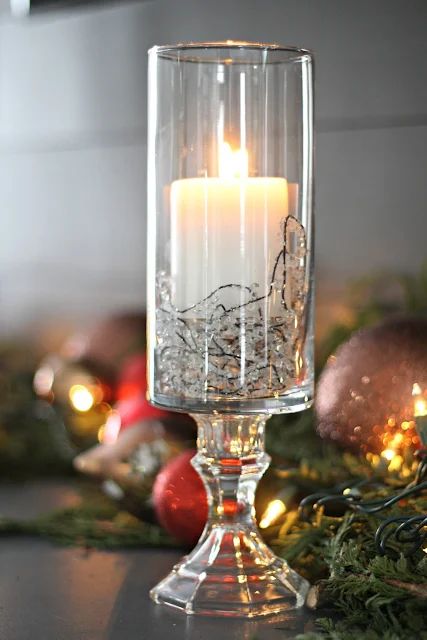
[[73, 142]]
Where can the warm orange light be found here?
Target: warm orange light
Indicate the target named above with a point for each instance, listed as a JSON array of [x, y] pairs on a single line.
[[275, 509], [420, 407], [233, 163], [420, 403], [396, 463], [394, 459], [81, 398], [396, 441], [373, 458], [388, 454]]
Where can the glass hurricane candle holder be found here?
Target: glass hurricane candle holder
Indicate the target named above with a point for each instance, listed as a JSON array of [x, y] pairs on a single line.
[[230, 162]]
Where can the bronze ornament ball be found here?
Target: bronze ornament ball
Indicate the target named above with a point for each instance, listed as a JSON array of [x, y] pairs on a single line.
[[367, 390]]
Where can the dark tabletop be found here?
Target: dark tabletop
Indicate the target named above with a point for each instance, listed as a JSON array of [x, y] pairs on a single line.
[[54, 593]]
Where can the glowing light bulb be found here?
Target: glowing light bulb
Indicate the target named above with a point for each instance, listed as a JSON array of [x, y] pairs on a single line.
[[416, 389], [275, 509], [388, 454], [396, 440], [420, 407], [81, 398], [396, 463], [420, 403]]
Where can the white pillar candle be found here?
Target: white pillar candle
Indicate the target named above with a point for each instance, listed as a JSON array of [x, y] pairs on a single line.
[[225, 230]]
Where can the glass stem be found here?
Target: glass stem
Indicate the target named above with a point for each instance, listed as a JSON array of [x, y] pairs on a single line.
[[231, 459]]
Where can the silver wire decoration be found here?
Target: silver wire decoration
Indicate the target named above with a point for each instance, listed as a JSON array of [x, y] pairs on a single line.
[[199, 348]]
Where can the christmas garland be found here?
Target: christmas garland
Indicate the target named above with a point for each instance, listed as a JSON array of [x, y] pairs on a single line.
[[357, 593], [368, 595]]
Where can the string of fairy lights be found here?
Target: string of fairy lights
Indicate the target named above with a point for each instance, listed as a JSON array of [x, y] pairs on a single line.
[[404, 533]]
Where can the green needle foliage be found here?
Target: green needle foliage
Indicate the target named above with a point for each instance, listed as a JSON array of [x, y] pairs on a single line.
[[362, 594], [97, 522]]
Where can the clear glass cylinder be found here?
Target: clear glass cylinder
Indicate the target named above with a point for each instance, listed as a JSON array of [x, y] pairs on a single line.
[[230, 162], [230, 237]]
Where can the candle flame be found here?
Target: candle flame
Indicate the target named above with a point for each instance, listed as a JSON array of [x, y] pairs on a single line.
[[275, 509], [233, 163]]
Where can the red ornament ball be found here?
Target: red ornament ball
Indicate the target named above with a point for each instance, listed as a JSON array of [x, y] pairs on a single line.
[[365, 396], [180, 500], [132, 377], [132, 404], [137, 409]]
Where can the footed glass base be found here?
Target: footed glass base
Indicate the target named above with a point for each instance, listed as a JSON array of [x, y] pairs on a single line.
[[232, 572]]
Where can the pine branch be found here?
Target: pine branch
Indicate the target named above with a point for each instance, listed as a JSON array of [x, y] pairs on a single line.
[[97, 523], [417, 590]]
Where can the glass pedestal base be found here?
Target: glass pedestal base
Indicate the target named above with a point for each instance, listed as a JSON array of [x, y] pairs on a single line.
[[232, 572]]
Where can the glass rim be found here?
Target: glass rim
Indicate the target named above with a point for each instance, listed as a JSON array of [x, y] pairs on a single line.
[[172, 52]]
